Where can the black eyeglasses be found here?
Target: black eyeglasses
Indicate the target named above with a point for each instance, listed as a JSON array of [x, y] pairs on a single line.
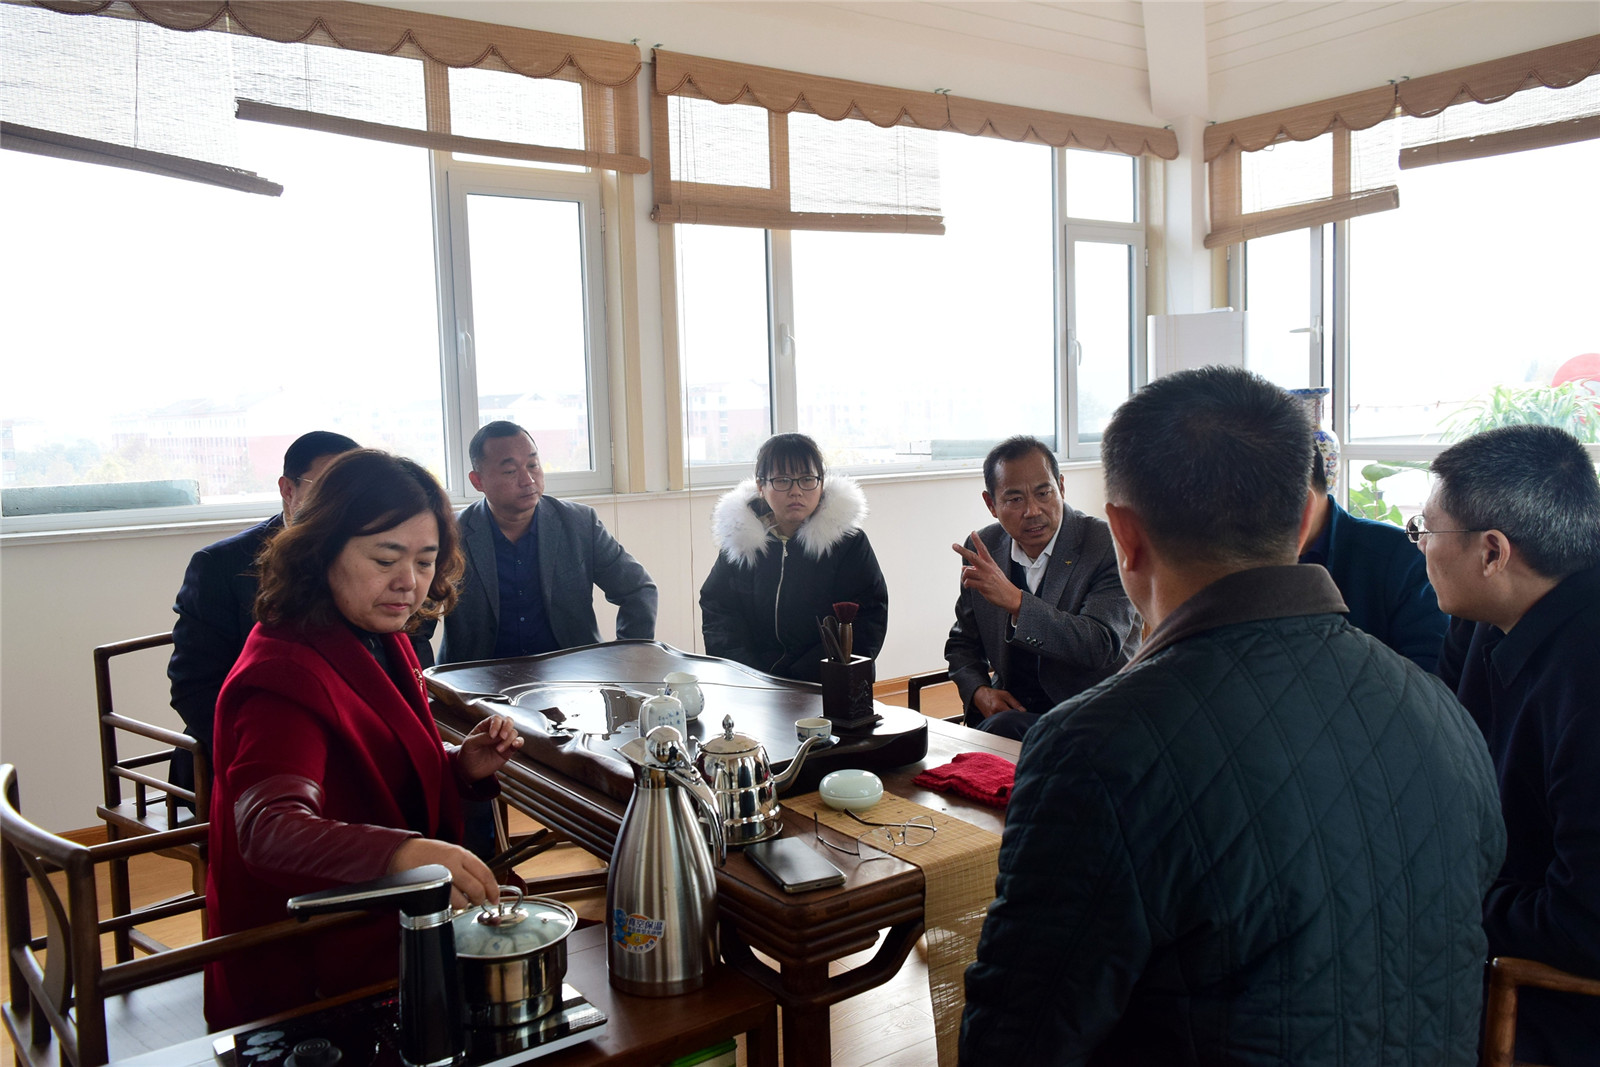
[[806, 482], [1415, 530]]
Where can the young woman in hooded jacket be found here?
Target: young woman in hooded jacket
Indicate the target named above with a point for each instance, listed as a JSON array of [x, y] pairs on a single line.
[[790, 546]]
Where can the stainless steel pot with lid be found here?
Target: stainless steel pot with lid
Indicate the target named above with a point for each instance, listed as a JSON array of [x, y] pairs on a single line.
[[737, 769], [512, 957]]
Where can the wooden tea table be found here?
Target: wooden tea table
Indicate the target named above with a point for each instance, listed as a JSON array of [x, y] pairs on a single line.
[[581, 789]]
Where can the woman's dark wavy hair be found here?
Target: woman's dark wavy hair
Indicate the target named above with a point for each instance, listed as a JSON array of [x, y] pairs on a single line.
[[362, 492]]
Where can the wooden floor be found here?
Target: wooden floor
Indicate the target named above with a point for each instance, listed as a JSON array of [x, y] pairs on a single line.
[[891, 1026]]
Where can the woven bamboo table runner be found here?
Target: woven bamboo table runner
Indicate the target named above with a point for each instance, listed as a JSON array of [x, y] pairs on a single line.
[[959, 866]]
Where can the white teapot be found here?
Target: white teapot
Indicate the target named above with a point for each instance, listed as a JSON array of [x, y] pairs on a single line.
[[663, 709]]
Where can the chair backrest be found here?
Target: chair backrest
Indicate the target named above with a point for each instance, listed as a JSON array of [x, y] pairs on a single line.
[[69, 976], [116, 769], [65, 995], [1506, 975]]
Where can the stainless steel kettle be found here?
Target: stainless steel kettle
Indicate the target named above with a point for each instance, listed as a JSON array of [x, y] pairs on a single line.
[[736, 767], [661, 894]]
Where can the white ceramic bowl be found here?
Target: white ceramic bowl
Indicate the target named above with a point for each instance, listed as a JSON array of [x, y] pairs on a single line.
[[851, 790]]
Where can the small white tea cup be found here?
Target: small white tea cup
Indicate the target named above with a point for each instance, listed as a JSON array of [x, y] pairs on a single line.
[[818, 727]]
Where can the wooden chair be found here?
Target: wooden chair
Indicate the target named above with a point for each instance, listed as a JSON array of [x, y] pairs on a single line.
[[58, 1007], [170, 808], [918, 682], [1506, 974]]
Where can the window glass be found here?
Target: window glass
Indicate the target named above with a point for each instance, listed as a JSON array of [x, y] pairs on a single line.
[[722, 320], [1277, 296], [855, 166], [911, 347], [502, 106], [1289, 172], [160, 330], [738, 135], [1389, 490], [1475, 300], [1101, 186], [529, 322], [1103, 331]]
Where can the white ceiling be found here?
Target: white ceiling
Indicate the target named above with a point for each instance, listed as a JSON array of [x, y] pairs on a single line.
[[1140, 62]]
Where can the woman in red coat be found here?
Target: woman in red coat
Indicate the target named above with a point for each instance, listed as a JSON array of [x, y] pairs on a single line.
[[329, 768]]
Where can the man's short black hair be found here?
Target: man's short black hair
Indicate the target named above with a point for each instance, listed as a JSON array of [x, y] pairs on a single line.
[[310, 447], [1216, 462], [489, 431], [1319, 473], [1016, 448], [1535, 484]]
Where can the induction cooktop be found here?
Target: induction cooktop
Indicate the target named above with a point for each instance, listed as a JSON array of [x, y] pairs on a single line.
[[366, 1033]]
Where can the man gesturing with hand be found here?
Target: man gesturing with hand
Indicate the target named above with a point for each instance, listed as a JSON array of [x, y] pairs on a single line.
[[1042, 615]]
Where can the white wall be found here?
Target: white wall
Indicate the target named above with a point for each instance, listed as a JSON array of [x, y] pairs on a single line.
[[59, 600]]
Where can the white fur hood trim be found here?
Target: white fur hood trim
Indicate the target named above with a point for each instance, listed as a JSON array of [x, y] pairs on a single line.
[[742, 536]]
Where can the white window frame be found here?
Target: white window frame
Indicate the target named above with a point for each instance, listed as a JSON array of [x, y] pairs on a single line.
[[786, 337], [1329, 349], [1126, 235], [454, 181]]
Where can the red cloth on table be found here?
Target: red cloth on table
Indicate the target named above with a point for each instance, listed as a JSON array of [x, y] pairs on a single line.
[[980, 776]]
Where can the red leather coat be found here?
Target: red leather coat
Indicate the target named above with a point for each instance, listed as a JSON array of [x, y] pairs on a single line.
[[323, 768]]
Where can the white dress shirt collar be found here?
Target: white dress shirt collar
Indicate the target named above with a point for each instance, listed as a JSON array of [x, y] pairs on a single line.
[[1033, 569]]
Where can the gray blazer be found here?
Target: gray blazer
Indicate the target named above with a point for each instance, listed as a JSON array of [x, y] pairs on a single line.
[[1080, 624], [576, 553]]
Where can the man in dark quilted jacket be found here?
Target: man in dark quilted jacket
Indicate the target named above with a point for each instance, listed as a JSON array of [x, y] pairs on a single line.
[[1511, 533], [1267, 839]]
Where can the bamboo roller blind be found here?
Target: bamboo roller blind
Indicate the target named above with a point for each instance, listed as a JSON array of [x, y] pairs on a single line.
[[1383, 122], [742, 145], [603, 72]]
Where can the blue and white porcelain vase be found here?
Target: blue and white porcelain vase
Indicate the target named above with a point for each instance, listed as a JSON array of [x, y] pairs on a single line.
[[1326, 441]]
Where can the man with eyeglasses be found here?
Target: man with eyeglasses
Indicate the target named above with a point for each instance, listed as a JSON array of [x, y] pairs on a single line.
[[1511, 535], [1382, 580], [1266, 840], [216, 603], [1042, 615], [533, 562]]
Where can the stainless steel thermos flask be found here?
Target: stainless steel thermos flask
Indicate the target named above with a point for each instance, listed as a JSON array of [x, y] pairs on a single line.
[[661, 903]]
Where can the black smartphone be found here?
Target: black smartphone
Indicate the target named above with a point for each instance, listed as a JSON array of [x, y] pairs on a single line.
[[793, 864]]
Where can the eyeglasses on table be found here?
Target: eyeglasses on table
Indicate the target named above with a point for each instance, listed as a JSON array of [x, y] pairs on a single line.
[[882, 837]]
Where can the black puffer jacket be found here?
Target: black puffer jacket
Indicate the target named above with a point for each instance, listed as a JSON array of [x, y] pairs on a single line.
[[1266, 841], [764, 597]]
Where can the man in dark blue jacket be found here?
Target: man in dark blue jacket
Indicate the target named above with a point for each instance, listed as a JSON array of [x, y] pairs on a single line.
[[1511, 534], [1266, 840], [1380, 575]]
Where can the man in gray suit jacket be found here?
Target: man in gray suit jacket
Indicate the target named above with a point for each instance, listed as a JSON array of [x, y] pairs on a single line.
[[533, 562], [1042, 615]]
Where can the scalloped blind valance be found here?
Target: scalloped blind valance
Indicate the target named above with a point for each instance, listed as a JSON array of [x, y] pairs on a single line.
[[346, 68], [1336, 159], [741, 145]]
